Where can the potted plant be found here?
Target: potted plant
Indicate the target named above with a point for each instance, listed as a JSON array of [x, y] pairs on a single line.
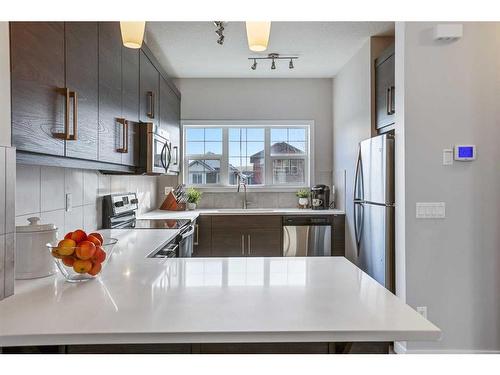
[[303, 195], [193, 198]]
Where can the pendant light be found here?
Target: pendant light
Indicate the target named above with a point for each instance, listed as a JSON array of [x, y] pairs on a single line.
[[258, 35], [132, 33]]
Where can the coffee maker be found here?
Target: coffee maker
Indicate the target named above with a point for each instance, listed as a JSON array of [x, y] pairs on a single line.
[[320, 197]]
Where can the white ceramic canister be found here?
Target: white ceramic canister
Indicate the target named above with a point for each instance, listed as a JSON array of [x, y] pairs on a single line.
[[33, 259]]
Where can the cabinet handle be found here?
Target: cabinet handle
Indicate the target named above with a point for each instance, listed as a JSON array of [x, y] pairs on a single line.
[[391, 96], [69, 95], [74, 96], [124, 122], [196, 242], [151, 113], [249, 245], [388, 101], [242, 244], [176, 148]]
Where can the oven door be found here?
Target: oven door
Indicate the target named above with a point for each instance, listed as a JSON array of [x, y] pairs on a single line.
[[186, 242]]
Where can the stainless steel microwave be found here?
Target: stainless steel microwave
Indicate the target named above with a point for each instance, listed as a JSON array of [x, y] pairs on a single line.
[[157, 155]]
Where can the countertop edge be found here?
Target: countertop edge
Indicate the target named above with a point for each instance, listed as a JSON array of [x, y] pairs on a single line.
[[217, 337]]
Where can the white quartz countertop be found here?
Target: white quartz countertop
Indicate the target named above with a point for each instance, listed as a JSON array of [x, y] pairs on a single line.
[[145, 300], [161, 214]]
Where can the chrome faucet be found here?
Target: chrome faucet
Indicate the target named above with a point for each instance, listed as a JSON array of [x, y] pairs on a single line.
[[242, 180]]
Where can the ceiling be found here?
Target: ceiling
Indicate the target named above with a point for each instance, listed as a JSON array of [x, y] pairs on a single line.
[[189, 49]]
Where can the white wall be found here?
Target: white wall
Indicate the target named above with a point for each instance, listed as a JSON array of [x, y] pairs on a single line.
[[41, 192], [4, 85], [351, 124], [452, 96], [266, 99]]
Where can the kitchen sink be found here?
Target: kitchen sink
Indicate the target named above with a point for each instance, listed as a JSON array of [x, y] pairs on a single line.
[[247, 210]]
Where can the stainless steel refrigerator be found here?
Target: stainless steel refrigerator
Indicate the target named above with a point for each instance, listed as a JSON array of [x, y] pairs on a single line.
[[374, 209]]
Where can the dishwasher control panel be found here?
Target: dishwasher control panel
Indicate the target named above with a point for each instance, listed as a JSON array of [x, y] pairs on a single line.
[[308, 220]]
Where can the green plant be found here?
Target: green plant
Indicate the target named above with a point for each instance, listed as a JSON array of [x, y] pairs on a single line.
[[303, 193], [193, 195]]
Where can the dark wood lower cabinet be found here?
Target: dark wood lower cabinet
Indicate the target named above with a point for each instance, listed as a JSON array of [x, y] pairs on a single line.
[[264, 243], [228, 243], [203, 237], [211, 348], [251, 235]]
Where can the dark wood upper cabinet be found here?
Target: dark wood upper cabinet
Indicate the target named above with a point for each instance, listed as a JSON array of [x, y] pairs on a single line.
[[77, 92], [110, 92], [130, 81], [37, 72], [385, 89], [82, 78], [170, 118], [149, 91], [130, 103]]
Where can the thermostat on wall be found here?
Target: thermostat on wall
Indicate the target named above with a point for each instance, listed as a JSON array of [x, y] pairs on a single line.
[[465, 152]]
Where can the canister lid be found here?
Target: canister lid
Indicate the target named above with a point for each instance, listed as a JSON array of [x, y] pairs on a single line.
[[34, 226]]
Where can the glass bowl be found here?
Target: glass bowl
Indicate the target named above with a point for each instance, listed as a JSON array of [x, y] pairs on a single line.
[[75, 273]]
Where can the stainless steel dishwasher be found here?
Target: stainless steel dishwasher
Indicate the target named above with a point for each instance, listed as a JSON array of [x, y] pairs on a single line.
[[307, 236]]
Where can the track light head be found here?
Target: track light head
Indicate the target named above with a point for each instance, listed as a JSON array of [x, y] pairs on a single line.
[[290, 64], [254, 65], [273, 65], [220, 40]]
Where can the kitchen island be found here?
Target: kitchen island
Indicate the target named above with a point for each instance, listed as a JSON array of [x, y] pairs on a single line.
[[207, 300]]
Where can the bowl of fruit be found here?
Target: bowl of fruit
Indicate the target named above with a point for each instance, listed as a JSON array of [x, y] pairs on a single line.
[[81, 256]]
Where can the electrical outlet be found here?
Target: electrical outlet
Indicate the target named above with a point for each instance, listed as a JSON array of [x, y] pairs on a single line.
[[422, 310], [430, 210], [168, 189], [69, 201]]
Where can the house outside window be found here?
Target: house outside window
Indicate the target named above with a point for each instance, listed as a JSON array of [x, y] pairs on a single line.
[[271, 155]]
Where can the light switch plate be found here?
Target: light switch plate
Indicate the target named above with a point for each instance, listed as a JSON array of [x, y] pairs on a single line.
[[447, 156], [430, 210]]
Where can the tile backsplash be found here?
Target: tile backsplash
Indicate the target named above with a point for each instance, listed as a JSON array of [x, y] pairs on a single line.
[[41, 191], [255, 200]]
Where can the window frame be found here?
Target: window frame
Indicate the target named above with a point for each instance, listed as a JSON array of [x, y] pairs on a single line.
[[268, 160]]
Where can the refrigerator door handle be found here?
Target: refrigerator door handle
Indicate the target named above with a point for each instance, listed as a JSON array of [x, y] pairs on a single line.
[[358, 226], [358, 179]]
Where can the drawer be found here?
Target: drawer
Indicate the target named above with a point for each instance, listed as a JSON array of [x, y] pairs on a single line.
[[242, 222]]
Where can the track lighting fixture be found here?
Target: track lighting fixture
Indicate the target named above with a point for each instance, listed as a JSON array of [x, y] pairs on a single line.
[[220, 29], [254, 65], [273, 57]]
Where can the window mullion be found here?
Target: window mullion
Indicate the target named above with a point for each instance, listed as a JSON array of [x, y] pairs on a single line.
[[224, 170], [268, 172]]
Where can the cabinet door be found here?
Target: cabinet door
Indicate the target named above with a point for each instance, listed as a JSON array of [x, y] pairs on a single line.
[[228, 243], [203, 237], [149, 91], [263, 243], [37, 72], [170, 117], [110, 92], [384, 83], [81, 40], [130, 103]]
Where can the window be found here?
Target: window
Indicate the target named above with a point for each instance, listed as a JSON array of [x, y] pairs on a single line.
[[269, 155]]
